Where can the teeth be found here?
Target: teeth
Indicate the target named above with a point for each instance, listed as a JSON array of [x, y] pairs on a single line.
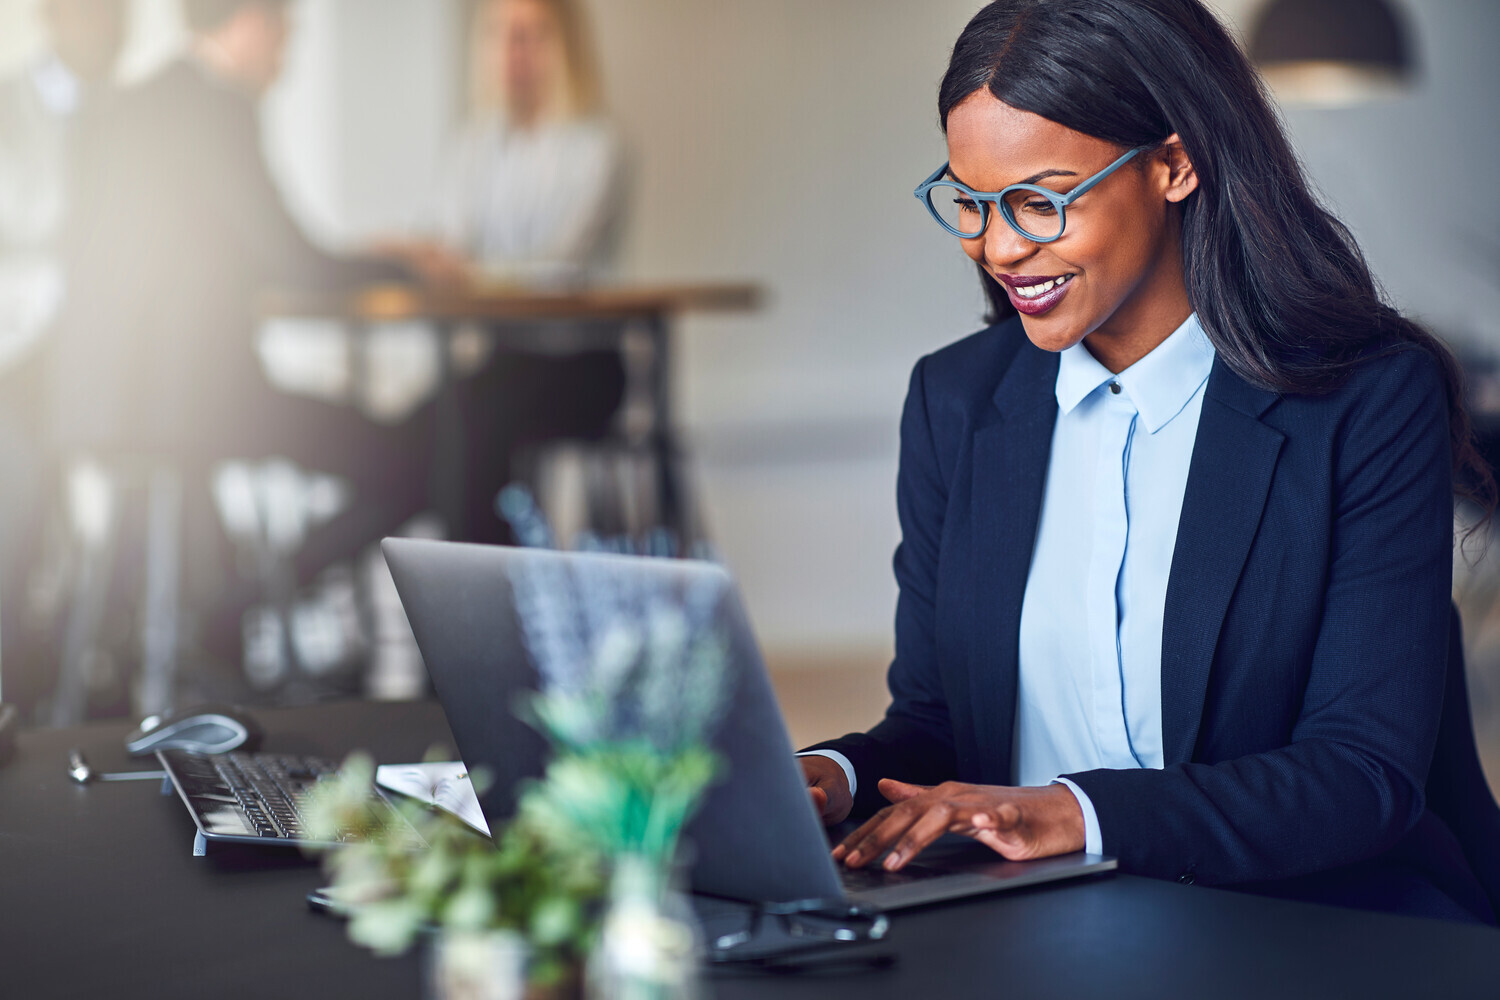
[[1032, 291]]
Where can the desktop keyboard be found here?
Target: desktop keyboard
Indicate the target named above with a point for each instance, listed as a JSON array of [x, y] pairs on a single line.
[[257, 798]]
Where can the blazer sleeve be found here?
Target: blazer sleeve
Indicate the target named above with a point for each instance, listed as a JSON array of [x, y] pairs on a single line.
[[1350, 781], [914, 742]]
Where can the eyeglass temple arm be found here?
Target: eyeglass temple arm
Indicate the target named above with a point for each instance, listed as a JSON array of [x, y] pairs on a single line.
[[937, 175], [1086, 185]]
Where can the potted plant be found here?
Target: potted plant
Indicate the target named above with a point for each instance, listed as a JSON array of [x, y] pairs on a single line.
[[500, 918], [581, 880]]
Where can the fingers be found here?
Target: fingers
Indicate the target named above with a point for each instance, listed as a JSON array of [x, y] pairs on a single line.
[[907, 827], [900, 791], [918, 816], [929, 826], [877, 833], [847, 850], [918, 806], [1004, 817], [819, 798]]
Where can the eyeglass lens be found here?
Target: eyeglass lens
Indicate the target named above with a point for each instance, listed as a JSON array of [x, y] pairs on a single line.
[[1033, 214], [957, 210]]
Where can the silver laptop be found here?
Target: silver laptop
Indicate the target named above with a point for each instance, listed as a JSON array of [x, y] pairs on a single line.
[[757, 835]]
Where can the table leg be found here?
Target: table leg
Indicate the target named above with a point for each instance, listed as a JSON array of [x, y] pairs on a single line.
[[159, 625], [447, 484], [86, 611], [673, 506]]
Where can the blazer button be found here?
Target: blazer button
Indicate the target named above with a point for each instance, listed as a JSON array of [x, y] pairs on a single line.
[[1187, 878]]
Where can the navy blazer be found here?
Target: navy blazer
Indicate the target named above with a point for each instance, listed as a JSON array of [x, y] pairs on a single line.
[[1306, 622]]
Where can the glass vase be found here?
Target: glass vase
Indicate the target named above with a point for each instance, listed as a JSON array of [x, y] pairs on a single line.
[[649, 938], [484, 965]]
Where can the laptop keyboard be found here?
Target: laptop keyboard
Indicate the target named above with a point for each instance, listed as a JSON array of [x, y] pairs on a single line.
[[261, 795], [874, 877]]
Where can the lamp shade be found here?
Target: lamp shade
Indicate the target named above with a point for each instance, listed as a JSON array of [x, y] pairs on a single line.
[[1332, 52]]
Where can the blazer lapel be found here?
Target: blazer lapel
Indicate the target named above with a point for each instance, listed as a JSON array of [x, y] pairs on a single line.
[[1010, 472], [1234, 458]]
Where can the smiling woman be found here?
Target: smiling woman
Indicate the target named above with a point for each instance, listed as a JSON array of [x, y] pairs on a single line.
[[1177, 528]]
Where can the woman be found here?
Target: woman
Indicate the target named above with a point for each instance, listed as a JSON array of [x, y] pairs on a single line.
[[530, 196], [530, 192], [1177, 529]]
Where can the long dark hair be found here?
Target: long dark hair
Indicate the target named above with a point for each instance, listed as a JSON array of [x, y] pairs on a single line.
[[1280, 286]]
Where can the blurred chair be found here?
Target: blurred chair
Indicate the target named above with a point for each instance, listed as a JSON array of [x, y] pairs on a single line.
[[94, 493], [265, 509]]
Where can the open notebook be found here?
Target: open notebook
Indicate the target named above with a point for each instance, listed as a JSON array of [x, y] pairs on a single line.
[[442, 784]]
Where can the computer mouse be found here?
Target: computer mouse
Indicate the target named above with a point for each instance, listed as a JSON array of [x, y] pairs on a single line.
[[203, 729]]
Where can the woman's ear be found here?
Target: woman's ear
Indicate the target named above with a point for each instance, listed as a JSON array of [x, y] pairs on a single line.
[[1182, 179]]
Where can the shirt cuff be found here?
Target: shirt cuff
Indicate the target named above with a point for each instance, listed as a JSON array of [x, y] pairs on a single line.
[[842, 762], [1093, 840]]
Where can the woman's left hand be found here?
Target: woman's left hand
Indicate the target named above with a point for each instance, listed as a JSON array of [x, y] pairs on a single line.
[[1018, 823]]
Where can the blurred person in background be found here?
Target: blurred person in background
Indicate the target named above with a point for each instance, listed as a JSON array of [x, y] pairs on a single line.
[[180, 231], [531, 195], [531, 190], [48, 117]]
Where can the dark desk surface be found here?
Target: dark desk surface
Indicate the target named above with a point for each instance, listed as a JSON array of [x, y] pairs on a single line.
[[100, 897]]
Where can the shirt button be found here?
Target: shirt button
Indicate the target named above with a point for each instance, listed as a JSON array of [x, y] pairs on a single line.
[[1114, 387]]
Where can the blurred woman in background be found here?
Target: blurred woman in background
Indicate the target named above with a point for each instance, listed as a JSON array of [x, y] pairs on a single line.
[[530, 195], [531, 189]]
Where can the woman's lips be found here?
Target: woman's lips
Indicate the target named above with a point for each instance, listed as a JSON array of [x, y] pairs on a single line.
[[1041, 302]]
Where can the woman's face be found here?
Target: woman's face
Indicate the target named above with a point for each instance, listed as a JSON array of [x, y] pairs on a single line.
[[521, 46], [1119, 260]]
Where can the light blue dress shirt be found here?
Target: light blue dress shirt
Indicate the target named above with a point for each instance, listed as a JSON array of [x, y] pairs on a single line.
[[1089, 689]]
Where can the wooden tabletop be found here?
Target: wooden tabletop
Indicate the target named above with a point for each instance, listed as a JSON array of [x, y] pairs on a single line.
[[509, 302]]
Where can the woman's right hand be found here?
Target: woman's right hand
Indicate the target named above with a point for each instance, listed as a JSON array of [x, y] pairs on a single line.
[[432, 263], [829, 788]]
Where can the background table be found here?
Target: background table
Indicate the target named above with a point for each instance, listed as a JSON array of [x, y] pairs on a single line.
[[648, 309], [100, 897]]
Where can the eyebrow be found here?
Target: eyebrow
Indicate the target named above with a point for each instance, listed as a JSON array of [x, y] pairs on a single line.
[[1040, 176]]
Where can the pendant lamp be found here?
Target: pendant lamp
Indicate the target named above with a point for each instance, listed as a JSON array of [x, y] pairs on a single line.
[[1332, 53]]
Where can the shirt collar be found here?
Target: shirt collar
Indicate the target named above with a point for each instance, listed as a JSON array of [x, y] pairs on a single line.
[[1160, 384]]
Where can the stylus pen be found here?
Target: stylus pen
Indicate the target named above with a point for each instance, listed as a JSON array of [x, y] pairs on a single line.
[[80, 771], [323, 900]]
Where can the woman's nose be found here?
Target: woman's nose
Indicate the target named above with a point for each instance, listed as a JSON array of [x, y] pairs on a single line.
[[1003, 246]]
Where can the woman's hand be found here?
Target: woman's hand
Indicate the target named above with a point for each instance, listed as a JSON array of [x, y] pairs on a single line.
[[1018, 823], [829, 787], [434, 264]]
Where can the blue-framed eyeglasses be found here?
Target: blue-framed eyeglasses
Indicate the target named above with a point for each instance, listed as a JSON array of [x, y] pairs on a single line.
[[1035, 212]]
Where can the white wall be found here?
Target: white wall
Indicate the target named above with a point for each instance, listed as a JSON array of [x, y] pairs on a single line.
[[20, 33], [357, 125], [780, 141]]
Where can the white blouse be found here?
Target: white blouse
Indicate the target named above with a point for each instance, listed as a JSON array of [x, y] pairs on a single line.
[[538, 204]]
